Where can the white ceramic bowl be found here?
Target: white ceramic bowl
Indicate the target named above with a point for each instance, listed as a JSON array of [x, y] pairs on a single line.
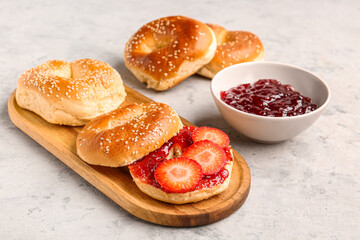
[[270, 129]]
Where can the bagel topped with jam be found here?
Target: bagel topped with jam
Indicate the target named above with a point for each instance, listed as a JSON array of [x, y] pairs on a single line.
[[167, 161]]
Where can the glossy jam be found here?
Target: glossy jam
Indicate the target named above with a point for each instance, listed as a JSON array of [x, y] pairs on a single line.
[[268, 97], [213, 180], [145, 167]]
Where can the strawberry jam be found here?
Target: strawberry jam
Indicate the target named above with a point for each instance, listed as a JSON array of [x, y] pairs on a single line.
[[145, 167], [268, 97], [213, 180]]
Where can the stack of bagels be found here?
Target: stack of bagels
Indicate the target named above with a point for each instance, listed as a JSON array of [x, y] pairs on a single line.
[[167, 161], [166, 51]]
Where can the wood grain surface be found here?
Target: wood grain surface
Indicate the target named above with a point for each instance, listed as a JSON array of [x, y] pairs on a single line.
[[118, 185]]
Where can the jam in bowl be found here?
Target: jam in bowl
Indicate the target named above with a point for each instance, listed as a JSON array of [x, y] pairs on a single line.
[[268, 97], [267, 122]]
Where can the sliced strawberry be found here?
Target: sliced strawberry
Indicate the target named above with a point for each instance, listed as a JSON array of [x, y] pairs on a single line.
[[209, 155], [212, 134], [178, 175]]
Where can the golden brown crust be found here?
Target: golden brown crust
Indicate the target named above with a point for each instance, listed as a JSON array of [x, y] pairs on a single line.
[[232, 47], [166, 51], [70, 93], [181, 198], [219, 32], [127, 134]]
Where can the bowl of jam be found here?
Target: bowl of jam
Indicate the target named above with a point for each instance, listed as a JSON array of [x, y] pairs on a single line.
[[269, 102]]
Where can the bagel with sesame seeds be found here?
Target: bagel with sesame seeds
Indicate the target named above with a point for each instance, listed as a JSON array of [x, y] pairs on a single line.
[[151, 178], [186, 197], [232, 47], [70, 93], [126, 134], [164, 52]]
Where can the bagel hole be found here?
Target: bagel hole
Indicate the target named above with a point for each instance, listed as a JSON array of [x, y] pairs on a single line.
[[125, 118], [153, 45]]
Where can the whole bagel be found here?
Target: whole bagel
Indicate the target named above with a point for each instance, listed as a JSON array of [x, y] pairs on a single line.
[[232, 47], [127, 134], [70, 93], [164, 52]]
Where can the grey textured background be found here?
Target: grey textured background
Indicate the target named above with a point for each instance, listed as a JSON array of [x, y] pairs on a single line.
[[305, 188]]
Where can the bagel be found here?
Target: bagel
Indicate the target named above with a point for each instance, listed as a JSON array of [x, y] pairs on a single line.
[[126, 134], [143, 136], [164, 52], [187, 197], [70, 93], [232, 47], [142, 173]]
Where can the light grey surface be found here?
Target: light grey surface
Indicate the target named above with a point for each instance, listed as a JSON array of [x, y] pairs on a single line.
[[305, 188]]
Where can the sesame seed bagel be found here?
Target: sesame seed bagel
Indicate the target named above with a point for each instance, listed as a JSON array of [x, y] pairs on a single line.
[[70, 93], [126, 134], [187, 197], [166, 51], [232, 47]]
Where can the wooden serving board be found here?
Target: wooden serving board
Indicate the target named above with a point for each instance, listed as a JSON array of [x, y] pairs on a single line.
[[118, 184]]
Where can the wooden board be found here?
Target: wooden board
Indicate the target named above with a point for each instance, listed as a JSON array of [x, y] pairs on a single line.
[[118, 184]]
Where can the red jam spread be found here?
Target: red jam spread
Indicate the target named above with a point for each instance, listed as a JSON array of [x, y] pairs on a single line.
[[145, 167], [213, 180], [268, 97]]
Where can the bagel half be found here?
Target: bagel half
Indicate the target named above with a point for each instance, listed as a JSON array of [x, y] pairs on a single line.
[[127, 134], [188, 197], [70, 93], [146, 182]]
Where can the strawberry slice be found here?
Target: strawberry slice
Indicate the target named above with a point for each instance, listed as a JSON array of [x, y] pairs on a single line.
[[178, 175], [212, 134], [209, 155]]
